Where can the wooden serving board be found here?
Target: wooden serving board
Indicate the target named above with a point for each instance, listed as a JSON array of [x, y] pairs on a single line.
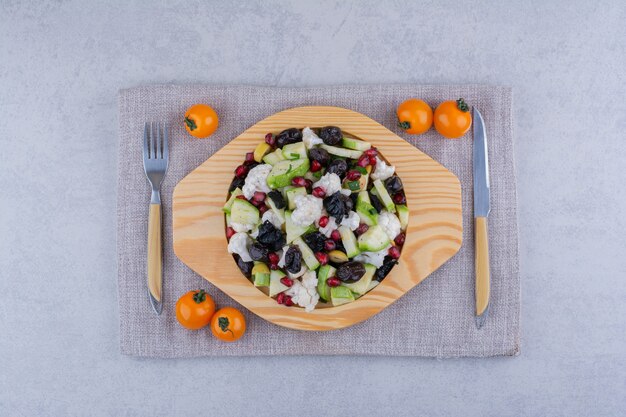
[[434, 233]]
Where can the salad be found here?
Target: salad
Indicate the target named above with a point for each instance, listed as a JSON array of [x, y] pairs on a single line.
[[315, 218]]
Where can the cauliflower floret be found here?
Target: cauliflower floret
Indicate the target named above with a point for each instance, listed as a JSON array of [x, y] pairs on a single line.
[[308, 210], [240, 244], [304, 292], [382, 170], [345, 191], [272, 218], [310, 139], [257, 180], [390, 224], [330, 183], [241, 227], [281, 261], [352, 220], [373, 258], [328, 229]]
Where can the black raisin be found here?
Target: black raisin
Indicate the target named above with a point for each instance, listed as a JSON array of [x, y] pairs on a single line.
[[348, 202], [350, 271], [293, 260], [258, 252], [383, 271], [334, 205], [236, 183], [245, 267], [331, 135], [278, 199], [270, 236], [376, 203], [393, 184], [315, 241], [320, 155], [287, 136], [339, 167]]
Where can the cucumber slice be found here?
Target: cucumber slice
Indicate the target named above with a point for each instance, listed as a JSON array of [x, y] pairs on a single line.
[[343, 152], [274, 157], [373, 284], [349, 241], [294, 151], [237, 191], [403, 215], [292, 193], [279, 212], [261, 274], [325, 272], [307, 254], [294, 230], [261, 150], [276, 287], [243, 212], [373, 240], [360, 287], [365, 210], [356, 144], [384, 196], [341, 295], [284, 171], [228, 220]]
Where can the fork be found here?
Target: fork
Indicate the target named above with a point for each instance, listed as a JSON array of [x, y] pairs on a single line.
[[155, 161]]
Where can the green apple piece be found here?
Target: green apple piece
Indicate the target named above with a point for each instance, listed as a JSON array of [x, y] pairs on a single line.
[[284, 171], [261, 274], [294, 151], [279, 212], [373, 284], [356, 144], [341, 295], [237, 191], [276, 287], [293, 230], [349, 241], [384, 196], [360, 287], [403, 215], [291, 194], [373, 240], [342, 152], [243, 212], [228, 220], [307, 254], [365, 210], [274, 157], [325, 272]]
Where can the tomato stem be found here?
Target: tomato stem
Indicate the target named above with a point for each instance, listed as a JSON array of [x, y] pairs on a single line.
[[462, 105], [404, 125], [191, 124], [224, 323], [199, 296]]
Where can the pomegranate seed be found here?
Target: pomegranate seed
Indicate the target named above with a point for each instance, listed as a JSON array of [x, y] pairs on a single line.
[[298, 181], [400, 239], [230, 232], [288, 301], [249, 158], [333, 282], [335, 235], [287, 282], [269, 139], [371, 152], [361, 229], [308, 184], [273, 257], [399, 198], [242, 197], [372, 161], [315, 166], [280, 298], [329, 245], [323, 221], [322, 257], [363, 161], [353, 175], [259, 196], [273, 267], [394, 252], [319, 192], [256, 203], [263, 208], [241, 171]]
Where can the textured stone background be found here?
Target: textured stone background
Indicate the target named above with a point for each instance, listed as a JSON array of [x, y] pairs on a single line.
[[61, 64]]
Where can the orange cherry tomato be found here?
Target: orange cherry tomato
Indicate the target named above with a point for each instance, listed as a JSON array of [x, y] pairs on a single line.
[[414, 116], [228, 324], [195, 309], [201, 120], [453, 118]]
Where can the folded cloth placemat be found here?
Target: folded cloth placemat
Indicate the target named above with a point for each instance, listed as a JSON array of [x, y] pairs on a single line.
[[435, 319]]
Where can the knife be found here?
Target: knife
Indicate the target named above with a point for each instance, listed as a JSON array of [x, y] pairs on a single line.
[[482, 208]]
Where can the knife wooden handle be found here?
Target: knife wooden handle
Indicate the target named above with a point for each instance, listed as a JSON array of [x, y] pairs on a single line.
[[155, 262], [481, 261]]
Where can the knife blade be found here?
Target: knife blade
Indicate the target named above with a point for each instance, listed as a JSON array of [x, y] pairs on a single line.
[[482, 207]]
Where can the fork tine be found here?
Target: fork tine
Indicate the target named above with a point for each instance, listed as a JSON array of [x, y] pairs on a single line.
[[165, 144], [146, 147], [159, 153], [153, 133]]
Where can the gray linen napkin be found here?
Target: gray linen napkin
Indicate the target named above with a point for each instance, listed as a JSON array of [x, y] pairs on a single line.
[[434, 319]]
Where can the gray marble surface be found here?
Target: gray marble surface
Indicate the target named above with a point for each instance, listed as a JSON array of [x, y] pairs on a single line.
[[61, 64]]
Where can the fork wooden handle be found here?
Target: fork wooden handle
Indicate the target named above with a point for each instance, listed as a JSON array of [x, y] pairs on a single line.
[[482, 264], [155, 255]]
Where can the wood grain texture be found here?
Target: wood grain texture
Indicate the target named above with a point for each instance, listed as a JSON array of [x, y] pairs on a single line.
[[434, 233], [481, 262], [155, 257]]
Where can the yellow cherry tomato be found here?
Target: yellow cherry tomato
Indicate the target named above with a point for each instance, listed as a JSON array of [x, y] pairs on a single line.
[[195, 309], [228, 324], [414, 116], [201, 120], [453, 118]]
